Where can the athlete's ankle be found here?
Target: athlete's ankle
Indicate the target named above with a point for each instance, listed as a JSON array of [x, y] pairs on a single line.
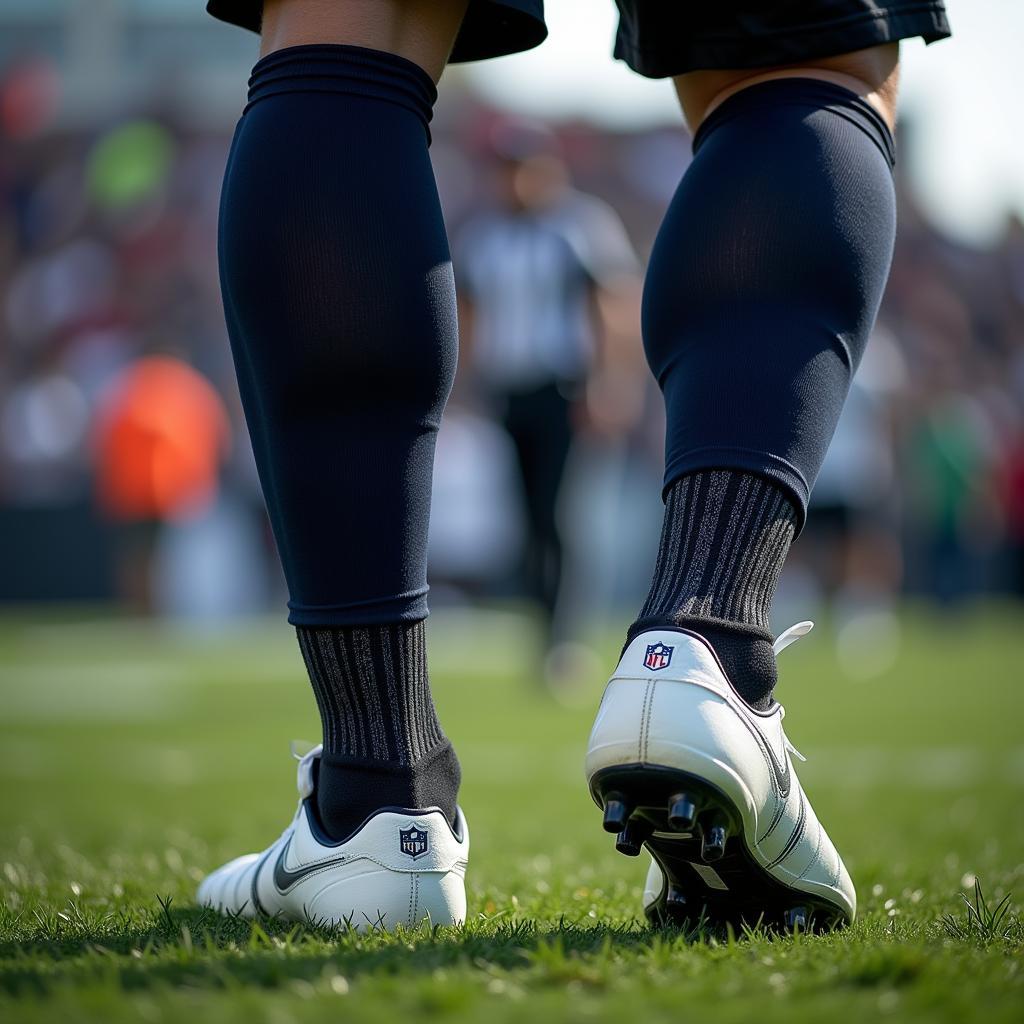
[[723, 543], [350, 789]]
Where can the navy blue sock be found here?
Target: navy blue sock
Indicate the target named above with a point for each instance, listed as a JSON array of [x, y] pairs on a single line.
[[766, 277], [340, 305], [762, 289]]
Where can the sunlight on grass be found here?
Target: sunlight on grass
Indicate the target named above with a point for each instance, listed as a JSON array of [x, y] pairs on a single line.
[[121, 788]]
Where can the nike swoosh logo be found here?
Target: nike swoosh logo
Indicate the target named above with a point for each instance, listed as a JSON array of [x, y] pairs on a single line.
[[780, 769], [795, 836], [284, 878]]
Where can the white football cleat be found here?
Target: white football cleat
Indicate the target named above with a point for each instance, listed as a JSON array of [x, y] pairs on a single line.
[[400, 867], [680, 763]]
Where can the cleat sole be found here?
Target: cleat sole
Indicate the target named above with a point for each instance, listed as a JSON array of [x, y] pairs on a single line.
[[736, 891]]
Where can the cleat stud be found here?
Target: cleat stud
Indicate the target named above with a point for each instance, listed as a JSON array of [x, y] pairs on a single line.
[[625, 844], [616, 813], [682, 813], [713, 843], [631, 839], [674, 899], [796, 919]]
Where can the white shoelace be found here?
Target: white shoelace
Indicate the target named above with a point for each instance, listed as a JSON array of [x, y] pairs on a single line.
[[791, 635], [304, 771], [785, 638]]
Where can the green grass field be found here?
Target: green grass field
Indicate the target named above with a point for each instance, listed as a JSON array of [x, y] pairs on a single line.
[[134, 758]]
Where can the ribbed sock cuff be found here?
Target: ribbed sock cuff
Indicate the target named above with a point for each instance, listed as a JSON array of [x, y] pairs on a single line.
[[348, 70], [723, 542], [805, 92], [373, 690]]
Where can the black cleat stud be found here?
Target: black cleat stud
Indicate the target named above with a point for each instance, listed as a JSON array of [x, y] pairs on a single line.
[[796, 919], [713, 843], [675, 900], [624, 843], [682, 813], [616, 813], [630, 840]]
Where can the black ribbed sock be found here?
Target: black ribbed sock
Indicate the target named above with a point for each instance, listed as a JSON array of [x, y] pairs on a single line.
[[723, 543], [383, 744]]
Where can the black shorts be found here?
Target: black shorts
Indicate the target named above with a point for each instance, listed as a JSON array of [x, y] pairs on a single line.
[[491, 28], [659, 38]]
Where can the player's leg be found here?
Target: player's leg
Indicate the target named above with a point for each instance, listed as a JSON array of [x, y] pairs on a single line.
[[755, 332], [539, 425], [553, 442], [760, 294], [761, 291], [340, 305]]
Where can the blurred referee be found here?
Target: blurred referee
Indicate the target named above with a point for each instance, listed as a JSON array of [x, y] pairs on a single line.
[[530, 270]]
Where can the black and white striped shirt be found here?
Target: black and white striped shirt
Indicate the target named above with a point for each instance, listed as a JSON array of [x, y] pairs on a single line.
[[530, 277]]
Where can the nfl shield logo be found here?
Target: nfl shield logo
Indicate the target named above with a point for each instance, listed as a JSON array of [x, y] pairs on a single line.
[[658, 656], [412, 841]]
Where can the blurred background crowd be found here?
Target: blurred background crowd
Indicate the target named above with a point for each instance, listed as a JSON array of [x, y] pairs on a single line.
[[125, 471]]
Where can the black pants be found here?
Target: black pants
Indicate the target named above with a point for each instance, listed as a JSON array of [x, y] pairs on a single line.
[[539, 422]]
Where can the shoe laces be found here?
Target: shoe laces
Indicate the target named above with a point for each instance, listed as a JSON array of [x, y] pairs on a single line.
[[782, 641], [791, 635], [304, 771]]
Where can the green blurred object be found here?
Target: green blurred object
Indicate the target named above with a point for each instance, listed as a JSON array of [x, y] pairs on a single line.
[[130, 164]]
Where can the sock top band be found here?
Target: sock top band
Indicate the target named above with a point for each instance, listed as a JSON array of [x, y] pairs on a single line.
[[812, 93], [349, 70]]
